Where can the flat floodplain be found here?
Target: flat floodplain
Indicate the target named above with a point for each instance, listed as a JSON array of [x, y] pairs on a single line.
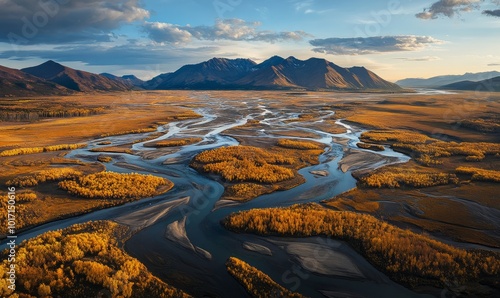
[[424, 163]]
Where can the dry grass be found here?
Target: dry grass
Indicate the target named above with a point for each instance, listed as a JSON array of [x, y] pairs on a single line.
[[257, 283], [373, 147], [104, 158], [126, 112], [407, 257], [173, 142], [32, 150]]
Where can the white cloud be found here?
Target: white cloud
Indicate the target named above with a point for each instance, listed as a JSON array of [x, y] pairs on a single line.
[[371, 45], [227, 29]]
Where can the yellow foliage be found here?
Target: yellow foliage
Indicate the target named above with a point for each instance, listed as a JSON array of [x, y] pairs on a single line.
[[104, 158], [44, 176], [245, 163], [173, 142], [397, 177], [297, 144], [480, 174], [31, 150], [401, 136], [257, 283], [403, 254], [110, 185], [81, 261]]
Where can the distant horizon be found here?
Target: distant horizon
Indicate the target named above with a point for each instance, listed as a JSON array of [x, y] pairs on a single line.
[[257, 61], [396, 39]]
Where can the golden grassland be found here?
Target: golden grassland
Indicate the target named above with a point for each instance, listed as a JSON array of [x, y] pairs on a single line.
[[126, 148], [125, 112], [34, 109], [257, 283], [428, 209], [441, 116], [117, 186], [249, 171], [81, 261], [407, 257], [173, 142], [32, 150]]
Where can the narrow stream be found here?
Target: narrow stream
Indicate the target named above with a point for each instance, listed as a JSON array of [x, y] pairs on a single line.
[[204, 274]]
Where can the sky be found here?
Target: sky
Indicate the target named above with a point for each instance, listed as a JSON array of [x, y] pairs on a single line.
[[394, 38]]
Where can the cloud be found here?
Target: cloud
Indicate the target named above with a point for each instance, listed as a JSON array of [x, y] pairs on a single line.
[[227, 29], [139, 55], [420, 59], [493, 13], [448, 8], [494, 64], [371, 45], [58, 21]]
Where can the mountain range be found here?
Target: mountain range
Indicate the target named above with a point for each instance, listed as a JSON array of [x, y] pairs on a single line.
[[276, 73], [14, 82], [492, 84], [439, 81], [73, 79]]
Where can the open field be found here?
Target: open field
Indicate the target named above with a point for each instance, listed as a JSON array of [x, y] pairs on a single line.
[[124, 113], [254, 143]]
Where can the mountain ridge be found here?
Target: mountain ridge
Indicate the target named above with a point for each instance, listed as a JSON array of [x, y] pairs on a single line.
[[74, 79], [492, 84], [14, 82], [438, 81], [273, 73]]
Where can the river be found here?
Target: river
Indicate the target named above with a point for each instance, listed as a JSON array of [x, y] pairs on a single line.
[[316, 267]]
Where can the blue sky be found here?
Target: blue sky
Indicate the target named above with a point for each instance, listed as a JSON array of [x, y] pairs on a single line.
[[394, 38]]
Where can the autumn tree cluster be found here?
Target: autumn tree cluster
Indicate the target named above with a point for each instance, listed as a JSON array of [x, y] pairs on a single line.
[[245, 163], [298, 144], [397, 177], [53, 174], [110, 185], [406, 256], [81, 261], [257, 283], [480, 174], [31, 150], [173, 142], [34, 114]]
